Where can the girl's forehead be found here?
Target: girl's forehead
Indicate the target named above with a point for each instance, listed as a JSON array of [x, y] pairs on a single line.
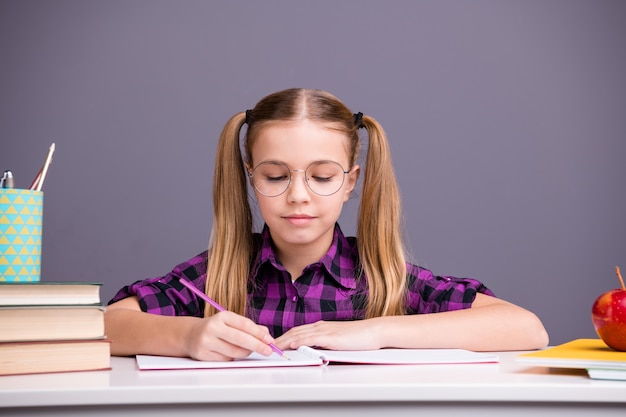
[[298, 126], [298, 141]]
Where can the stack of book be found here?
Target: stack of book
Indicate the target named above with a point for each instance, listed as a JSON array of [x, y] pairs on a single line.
[[52, 327], [600, 361]]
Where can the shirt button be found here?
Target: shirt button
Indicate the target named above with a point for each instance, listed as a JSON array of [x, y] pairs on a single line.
[[295, 298]]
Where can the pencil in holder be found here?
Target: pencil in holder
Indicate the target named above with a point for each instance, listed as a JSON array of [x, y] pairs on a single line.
[[21, 221]]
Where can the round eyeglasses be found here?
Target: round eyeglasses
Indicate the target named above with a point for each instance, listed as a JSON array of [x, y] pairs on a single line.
[[273, 178]]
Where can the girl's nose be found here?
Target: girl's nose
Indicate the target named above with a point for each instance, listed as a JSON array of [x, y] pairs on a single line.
[[298, 191]]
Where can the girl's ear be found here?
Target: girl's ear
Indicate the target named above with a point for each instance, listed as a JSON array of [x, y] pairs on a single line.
[[248, 170], [353, 177]]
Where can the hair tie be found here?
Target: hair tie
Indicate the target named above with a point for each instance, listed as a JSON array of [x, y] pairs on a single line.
[[358, 120], [248, 116]]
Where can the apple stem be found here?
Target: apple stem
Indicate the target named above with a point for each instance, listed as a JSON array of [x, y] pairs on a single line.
[[619, 276]]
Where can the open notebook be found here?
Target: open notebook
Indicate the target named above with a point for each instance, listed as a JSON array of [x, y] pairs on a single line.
[[306, 356]]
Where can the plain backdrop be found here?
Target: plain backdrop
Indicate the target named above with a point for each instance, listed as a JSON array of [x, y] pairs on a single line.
[[507, 122]]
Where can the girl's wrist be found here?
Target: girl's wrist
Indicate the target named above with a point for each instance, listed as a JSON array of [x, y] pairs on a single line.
[[396, 331], [383, 331]]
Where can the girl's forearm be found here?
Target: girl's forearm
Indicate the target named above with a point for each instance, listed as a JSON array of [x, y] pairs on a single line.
[[134, 332], [495, 327]]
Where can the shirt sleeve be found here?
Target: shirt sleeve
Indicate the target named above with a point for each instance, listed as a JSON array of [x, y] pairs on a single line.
[[165, 295], [429, 293]]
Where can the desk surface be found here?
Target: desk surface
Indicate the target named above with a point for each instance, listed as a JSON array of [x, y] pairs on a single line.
[[506, 384]]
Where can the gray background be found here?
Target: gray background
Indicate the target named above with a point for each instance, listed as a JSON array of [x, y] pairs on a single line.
[[506, 120]]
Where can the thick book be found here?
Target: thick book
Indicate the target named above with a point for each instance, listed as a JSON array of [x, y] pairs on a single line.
[[579, 353], [18, 358], [307, 356], [49, 293], [30, 323]]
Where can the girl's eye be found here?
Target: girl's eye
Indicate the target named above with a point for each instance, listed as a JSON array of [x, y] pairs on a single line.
[[321, 179], [277, 179]]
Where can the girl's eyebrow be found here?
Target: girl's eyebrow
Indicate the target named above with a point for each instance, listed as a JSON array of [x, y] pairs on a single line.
[[276, 161], [271, 161]]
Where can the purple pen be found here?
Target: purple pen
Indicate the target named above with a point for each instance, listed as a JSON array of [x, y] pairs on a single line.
[[220, 308]]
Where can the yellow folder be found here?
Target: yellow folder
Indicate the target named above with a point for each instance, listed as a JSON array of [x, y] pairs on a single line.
[[579, 353]]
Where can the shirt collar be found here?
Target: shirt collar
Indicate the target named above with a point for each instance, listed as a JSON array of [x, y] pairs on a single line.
[[340, 261]]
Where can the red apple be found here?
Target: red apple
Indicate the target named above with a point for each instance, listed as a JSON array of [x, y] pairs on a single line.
[[609, 316]]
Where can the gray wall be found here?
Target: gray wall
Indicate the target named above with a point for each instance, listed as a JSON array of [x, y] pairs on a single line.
[[506, 119]]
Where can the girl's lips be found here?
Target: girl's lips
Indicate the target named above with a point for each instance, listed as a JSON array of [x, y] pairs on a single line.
[[299, 220]]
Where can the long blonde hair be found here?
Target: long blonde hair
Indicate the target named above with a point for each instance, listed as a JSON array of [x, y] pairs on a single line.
[[379, 236]]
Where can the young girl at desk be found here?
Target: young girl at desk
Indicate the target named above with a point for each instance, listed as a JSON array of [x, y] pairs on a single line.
[[300, 281]]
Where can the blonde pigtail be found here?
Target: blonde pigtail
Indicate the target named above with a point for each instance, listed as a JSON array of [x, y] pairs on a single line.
[[231, 235], [378, 228]]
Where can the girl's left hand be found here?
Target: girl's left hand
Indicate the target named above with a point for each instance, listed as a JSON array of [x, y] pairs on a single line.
[[333, 335]]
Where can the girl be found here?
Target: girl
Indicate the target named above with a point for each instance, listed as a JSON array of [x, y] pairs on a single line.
[[300, 281]]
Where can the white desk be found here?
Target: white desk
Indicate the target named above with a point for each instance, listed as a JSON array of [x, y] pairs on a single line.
[[370, 390]]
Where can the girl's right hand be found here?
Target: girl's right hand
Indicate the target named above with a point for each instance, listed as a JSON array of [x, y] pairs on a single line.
[[225, 336]]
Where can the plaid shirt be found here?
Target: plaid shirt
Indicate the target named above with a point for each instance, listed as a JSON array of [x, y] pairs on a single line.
[[326, 290]]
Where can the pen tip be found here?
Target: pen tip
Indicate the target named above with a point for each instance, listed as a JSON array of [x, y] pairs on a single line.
[[286, 357]]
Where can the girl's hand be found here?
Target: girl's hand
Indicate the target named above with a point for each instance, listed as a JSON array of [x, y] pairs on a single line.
[[333, 335], [226, 336]]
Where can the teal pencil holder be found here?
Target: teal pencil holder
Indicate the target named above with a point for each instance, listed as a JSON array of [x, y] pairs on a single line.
[[21, 220]]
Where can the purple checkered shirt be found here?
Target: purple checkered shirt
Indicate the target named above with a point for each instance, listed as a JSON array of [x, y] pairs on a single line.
[[326, 290]]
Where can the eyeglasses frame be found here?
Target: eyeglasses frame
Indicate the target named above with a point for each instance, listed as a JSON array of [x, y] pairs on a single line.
[[306, 179]]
